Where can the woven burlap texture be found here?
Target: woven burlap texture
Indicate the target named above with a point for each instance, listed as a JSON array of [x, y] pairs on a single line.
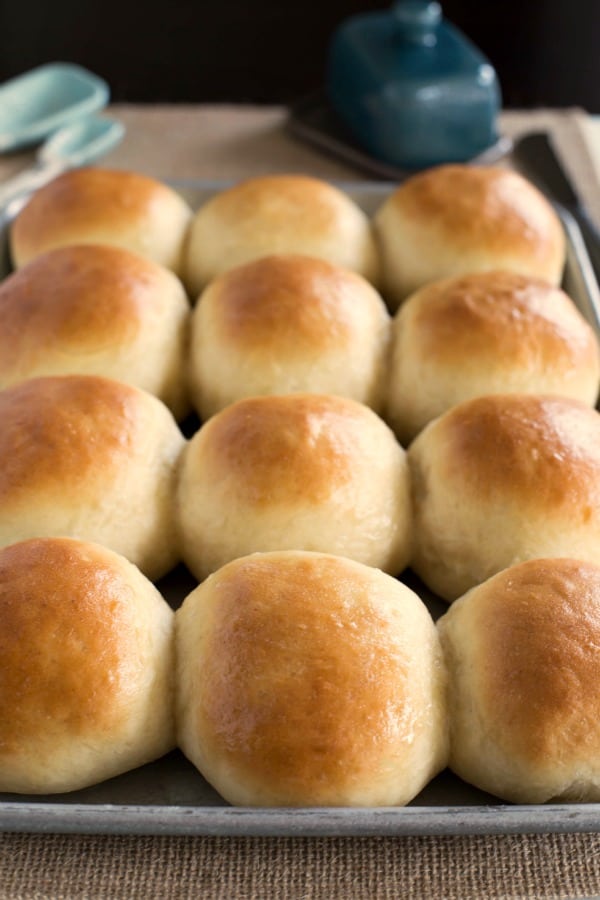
[[454, 868], [230, 142]]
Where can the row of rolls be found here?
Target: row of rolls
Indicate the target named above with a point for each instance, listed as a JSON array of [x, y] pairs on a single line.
[[494, 480], [286, 324], [412, 389], [296, 678]]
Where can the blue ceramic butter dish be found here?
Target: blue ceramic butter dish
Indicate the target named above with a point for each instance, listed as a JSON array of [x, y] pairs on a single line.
[[411, 88], [37, 103]]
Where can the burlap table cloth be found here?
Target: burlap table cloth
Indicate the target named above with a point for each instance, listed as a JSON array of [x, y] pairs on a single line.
[[223, 142]]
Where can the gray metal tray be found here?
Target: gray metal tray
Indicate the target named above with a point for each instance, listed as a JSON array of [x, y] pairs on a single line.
[[169, 796]]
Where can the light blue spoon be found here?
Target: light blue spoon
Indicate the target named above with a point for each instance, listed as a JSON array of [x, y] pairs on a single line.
[[34, 105], [78, 144]]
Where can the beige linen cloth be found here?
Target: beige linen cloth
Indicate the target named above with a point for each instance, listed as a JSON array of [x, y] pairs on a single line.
[[229, 143]]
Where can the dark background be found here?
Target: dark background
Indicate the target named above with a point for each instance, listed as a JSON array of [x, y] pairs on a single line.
[[546, 52]]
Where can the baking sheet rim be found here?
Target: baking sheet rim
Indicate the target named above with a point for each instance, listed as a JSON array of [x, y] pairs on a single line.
[[294, 822]]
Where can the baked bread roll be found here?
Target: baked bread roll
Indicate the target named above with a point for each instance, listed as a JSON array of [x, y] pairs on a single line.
[[278, 214], [501, 479], [310, 680], [486, 333], [524, 707], [456, 219], [103, 206], [87, 675], [88, 457], [288, 324], [296, 472], [98, 310]]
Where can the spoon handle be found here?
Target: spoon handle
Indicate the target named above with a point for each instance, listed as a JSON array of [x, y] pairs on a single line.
[[27, 181]]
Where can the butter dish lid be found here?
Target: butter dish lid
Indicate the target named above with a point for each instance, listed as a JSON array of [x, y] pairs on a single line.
[[411, 88]]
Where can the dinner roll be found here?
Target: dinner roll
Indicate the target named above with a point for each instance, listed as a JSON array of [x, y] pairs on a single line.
[[88, 457], [486, 333], [285, 324], [87, 674], [95, 309], [310, 680], [103, 206], [455, 219], [296, 472], [500, 479], [524, 668], [278, 214]]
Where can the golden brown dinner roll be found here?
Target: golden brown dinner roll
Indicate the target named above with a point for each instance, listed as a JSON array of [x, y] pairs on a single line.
[[87, 674], [296, 472], [103, 206], [455, 219], [524, 669], [88, 457], [95, 309], [486, 333], [278, 214], [310, 680], [286, 324], [500, 479]]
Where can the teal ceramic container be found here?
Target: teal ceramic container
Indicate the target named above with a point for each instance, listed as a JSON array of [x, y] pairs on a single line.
[[411, 88]]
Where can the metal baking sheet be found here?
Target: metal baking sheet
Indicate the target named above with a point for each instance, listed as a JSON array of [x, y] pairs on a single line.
[[169, 796]]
